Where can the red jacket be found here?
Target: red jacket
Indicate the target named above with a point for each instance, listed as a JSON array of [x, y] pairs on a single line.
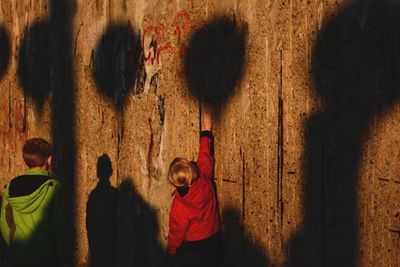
[[195, 215]]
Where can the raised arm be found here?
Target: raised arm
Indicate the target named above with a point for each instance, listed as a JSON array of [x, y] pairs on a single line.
[[205, 161]]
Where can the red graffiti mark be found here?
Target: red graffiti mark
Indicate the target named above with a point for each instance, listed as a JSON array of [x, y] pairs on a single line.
[[159, 30], [146, 32], [182, 50], [4, 107], [160, 43], [156, 46], [181, 24], [160, 50]]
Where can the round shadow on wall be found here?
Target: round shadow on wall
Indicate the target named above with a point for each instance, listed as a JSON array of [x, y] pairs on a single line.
[[4, 51], [33, 68], [356, 59], [215, 60], [116, 62]]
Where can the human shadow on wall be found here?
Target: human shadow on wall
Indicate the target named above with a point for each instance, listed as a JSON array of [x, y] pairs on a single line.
[[214, 62], [355, 69], [240, 247], [138, 230], [101, 217]]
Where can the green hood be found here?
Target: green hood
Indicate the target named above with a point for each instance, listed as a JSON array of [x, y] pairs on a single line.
[[33, 217], [30, 203]]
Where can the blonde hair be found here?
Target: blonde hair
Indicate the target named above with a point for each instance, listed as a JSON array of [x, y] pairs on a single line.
[[182, 172]]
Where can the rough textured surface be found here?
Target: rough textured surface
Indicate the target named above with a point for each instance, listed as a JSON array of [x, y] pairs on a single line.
[[306, 144]]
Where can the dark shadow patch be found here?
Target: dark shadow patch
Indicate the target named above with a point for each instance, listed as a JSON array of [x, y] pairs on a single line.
[[116, 62], [45, 66], [5, 51], [215, 60], [101, 217], [355, 69], [240, 247], [63, 101], [138, 230], [33, 68]]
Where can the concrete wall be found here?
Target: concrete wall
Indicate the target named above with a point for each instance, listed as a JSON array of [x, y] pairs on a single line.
[[306, 142]]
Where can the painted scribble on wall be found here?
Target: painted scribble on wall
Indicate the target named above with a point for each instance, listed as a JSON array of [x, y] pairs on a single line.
[[157, 39]]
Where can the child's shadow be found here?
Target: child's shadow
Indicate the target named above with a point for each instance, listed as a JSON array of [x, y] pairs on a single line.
[[122, 227], [240, 247], [138, 234], [101, 217]]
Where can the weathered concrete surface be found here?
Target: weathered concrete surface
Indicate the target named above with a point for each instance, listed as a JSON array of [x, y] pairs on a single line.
[[274, 154]]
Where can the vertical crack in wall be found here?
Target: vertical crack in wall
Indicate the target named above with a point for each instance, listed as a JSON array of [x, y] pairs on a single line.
[[141, 76], [161, 111], [9, 111], [121, 130], [200, 114], [279, 197], [24, 121], [150, 157], [76, 39]]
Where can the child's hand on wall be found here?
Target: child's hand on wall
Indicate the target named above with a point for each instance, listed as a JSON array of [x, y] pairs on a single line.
[[207, 121]]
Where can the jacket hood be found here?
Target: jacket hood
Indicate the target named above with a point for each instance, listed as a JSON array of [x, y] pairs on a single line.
[[199, 194], [29, 203]]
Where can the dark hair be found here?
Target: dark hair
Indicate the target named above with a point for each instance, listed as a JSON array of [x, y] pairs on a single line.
[[36, 151]]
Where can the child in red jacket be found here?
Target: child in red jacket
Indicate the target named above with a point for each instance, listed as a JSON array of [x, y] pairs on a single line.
[[194, 226]]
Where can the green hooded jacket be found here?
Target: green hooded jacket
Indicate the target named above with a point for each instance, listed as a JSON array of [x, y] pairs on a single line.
[[34, 226]]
